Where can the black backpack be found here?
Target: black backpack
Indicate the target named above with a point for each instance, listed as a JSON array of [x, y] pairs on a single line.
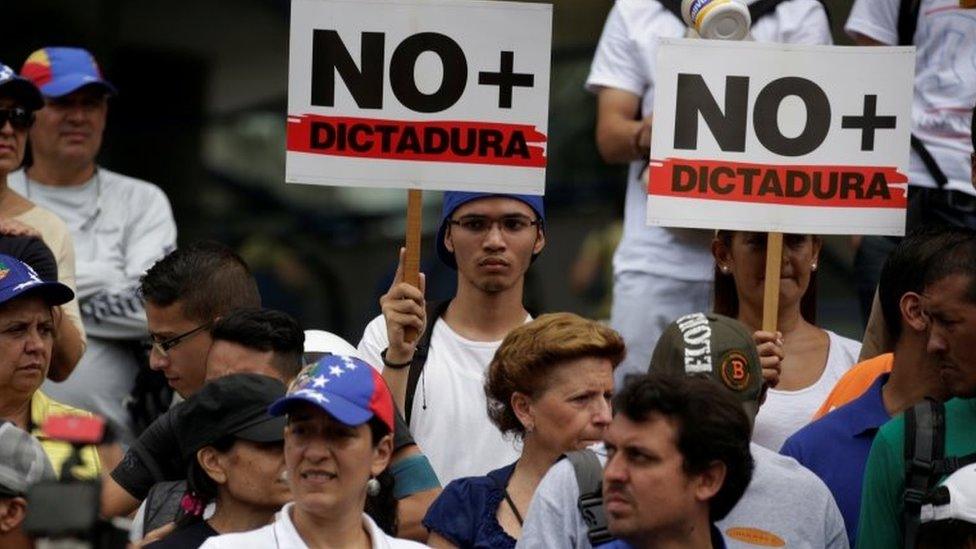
[[434, 310], [589, 478], [925, 461]]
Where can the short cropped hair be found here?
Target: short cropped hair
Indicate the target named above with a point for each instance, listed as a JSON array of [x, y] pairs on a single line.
[[530, 353], [957, 258], [711, 426], [207, 277], [265, 330], [905, 269]]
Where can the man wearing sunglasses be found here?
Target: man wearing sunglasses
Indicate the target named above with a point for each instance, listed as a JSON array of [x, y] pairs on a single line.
[[120, 225], [490, 240]]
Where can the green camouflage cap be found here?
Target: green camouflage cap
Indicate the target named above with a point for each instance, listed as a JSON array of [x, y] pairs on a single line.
[[715, 345]]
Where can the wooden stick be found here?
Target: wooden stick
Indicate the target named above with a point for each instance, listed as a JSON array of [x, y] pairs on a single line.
[[411, 261], [774, 262]]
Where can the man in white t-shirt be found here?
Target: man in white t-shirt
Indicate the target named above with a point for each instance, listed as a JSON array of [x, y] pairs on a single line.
[[785, 505], [120, 226], [490, 239], [945, 92], [660, 273]]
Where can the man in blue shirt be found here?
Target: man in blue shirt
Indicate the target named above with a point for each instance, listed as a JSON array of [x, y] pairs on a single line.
[[836, 446]]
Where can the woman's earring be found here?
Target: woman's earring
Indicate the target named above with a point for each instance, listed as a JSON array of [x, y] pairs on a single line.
[[813, 266], [372, 487], [724, 269]]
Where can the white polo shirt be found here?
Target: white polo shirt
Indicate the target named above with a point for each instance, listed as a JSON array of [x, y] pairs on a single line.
[[281, 534]]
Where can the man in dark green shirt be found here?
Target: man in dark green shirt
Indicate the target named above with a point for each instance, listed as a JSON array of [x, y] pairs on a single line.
[[948, 302]]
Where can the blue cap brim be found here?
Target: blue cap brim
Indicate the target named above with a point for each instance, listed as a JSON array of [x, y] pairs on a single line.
[[341, 409], [69, 83], [53, 293]]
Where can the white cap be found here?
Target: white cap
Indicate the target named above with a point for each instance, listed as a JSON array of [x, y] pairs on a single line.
[[319, 342], [954, 499]]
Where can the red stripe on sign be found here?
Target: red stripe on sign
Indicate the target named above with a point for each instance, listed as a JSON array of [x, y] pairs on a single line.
[[828, 186], [439, 141]]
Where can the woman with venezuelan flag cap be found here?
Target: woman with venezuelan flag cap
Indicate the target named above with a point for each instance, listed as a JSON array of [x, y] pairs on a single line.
[[338, 439]]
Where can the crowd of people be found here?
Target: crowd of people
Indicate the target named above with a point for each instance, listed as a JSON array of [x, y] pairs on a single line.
[[144, 381]]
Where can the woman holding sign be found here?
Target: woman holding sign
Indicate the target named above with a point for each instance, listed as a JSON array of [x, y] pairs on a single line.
[[813, 359]]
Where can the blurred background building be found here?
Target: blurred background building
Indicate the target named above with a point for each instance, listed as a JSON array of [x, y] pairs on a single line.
[[201, 113]]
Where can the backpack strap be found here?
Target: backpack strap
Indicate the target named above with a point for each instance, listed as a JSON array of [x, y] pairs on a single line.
[[907, 21], [435, 310], [589, 478], [930, 164], [924, 447]]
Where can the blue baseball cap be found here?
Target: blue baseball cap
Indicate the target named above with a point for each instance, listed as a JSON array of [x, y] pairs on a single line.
[[18, 278], [60, 71], [455, 199], [345, 387], [20, 88]]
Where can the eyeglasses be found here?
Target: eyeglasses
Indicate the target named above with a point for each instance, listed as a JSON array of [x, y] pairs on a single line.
[[19, 118], [163, 347], [480, 225]]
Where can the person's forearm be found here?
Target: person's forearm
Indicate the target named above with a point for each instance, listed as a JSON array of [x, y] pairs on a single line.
[[617, 140], [410, 514], [115, 500], [68, 349]]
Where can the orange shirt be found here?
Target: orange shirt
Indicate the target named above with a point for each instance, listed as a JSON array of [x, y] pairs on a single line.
[[855, 382]]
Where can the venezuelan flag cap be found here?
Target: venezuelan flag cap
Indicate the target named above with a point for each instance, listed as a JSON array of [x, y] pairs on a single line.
[[60, 71]]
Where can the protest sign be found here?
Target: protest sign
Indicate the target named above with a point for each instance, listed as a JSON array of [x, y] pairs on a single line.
[[421, 94], [783, 138]]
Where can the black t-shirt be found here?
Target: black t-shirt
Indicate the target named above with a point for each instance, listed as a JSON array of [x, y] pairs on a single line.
[[192, 536], [155, 456]]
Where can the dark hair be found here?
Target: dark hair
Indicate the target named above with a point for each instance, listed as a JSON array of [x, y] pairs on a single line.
[[530, 353], [199, 485], [956, 258], [710, 423], [726, 298], [946, 534], [905, 269], [207, 277], [382, 507], [265, 330]]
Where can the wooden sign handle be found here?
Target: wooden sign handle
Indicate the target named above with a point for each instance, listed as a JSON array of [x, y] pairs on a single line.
[[411, 260], [774, 263]]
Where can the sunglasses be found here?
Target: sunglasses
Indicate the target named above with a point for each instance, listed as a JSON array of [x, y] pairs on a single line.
[[19, 118]]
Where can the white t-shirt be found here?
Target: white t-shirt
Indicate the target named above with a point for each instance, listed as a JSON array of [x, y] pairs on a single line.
[[449, 418], [785, 505], [281, 534], [945, 80], [785, 412], [625, 60]]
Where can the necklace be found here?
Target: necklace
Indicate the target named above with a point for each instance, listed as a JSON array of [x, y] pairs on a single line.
[[93, 217]]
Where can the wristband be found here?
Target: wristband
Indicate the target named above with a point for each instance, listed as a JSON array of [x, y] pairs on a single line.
[[391, 365]]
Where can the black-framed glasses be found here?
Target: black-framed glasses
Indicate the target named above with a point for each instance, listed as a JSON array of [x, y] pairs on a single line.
[[19, 117], [482, 224], [163, 347]]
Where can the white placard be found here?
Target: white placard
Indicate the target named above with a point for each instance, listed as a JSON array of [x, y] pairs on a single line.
[[427, 94], [774, 137]]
